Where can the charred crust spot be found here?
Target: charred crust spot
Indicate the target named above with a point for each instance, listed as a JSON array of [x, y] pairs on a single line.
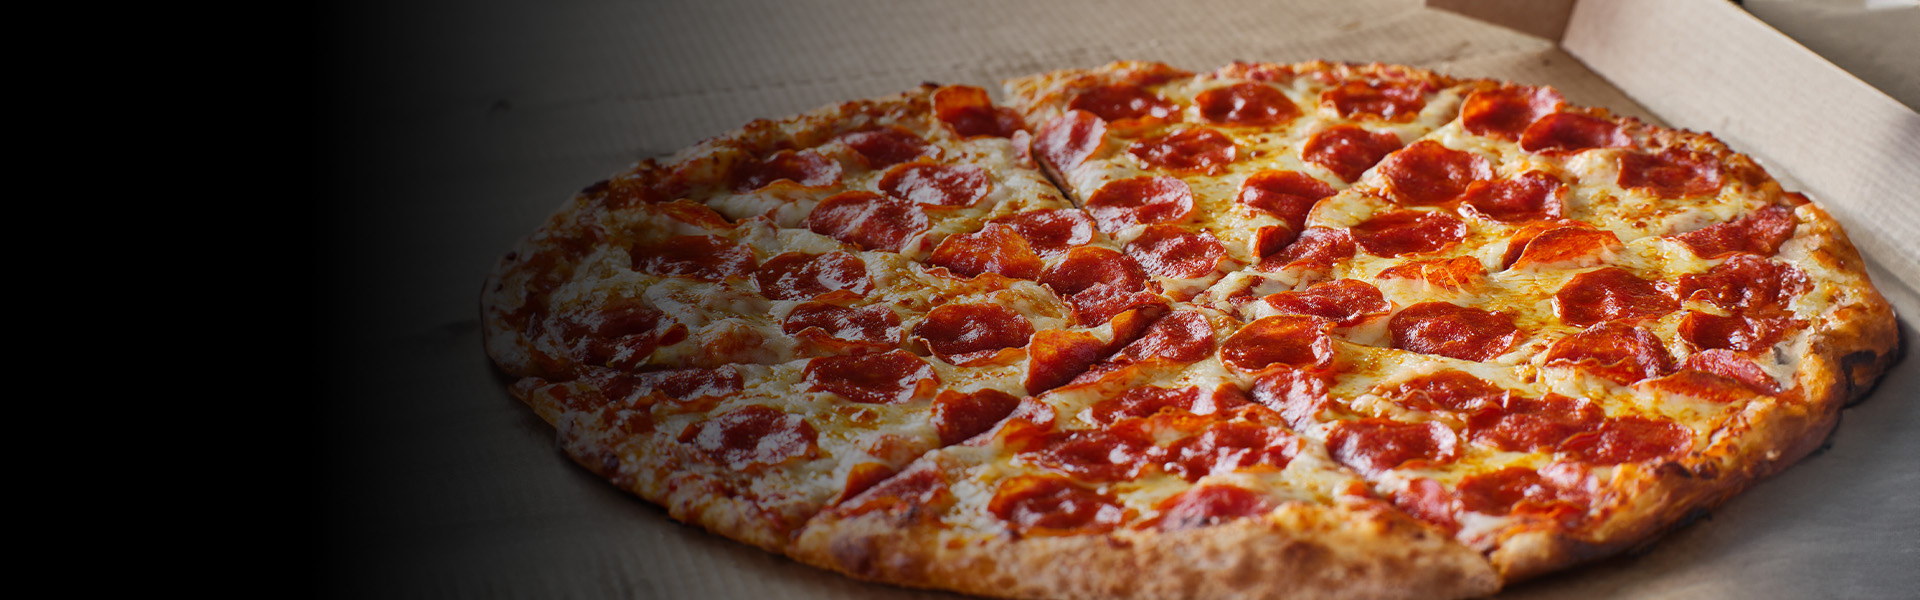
[[1863, 368]]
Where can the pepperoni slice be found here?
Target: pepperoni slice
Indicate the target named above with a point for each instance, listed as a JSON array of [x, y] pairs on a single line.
[[958, 417], [888, 146], [1393, 101], [1428, 173], [937, 185], [1505, 112], [687, 385], [1724, 363], [1741, 332], [968, 334], [1452, 274], [1396, 232], [1518, 490], [1176, 252], [1629, 440], [806, 168], [692, 213], [1449, 390], [1611, 293], [1043, 505], [802, 276], [1759, 233], [888, 378], [619, 337], [1532, 196], [995, 249], [1246, 103], [968, 111], [1209, 505], [1146, 401], [1140, 201], [1429, 501], [1284, 340], [1094, 455], [1317, 249], [1564, 246], [1122, 101], [1069, 139], [1051, 232], [1195, 149], [1087, 266], [1706, 386], [1054, 357], [1347, 150], [1346, 302], [1570, 132], [918, 495], [1446, 329], [868, 220], [1102, 302], [871, 327], [1286, 195], [1615, 350], [1227, 447], [1299, 396], [1181, 337], [705, 257], [1526, 424], [1746, 282], [1375, 445], [1673, 173], [753, 436]]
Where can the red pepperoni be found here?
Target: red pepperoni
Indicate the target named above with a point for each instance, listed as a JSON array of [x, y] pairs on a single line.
[[1705, 386], [1569, 132], [914, 496], [1429, 501], [1393, 101], [1097, 455], [1181, 337], [1448, 390], [1611, 293], [959, 417], [1119, 102], [937, 185], [692, 213], [1375, 445], [1087, 266], [1630, 439], [871, 327], [1445, 329], [1069, 139], [1041, 505], [706, 257], [968, 111], [1563, 246], [1732, 366], [1532, 196], [1146, 401], [1317, 249], [887, 146], [1051, 232], [1140, 201], [1283, 340], [1396, 232], [889, 378], [1505, 112], [1299, 396], [1456, 274], [995, 249], [1527, 424], [806, 168], [1209, 505], [1673, 173], [862, 476], [1615, 350], [1741, 332], [1227, 447], [868, 220], [1346, 302], [1177, 252], [802, 276], [967, 334], [1347, 150], [1746, 282], [1054, 357], [686, 385], [1760, 233], [1102, 302], [1428, 173], [753, 435], [1286, 195], [1517, 490], [1196, 149], [1246, 103], [619, 337], [1268, 241]]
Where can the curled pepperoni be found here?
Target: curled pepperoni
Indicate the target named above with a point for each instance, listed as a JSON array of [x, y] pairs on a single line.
[[806, 168], [1759, 233], [1209, 505], [1505, 112], [1615, 350], [1051, 232], [1450, 390], [968, 111], [1069, 139], [1177, 252], [1281, 340], [1099, 455], [1453, 274], [1673, 173], [1146, 401], [1122, 101], [1375, 445], [1317, 249], [1532, 196], [959, 417], [1734, 367], [1044, 505], [937, 185], [802, 276], [751, 436], [1346, 302], [1299, 396], [1569, 132], [868, 220], [1393, 101], [1611, 293], [1181, 337], [706, 257], [1102, 302], [871, 327], [1246, 103], [1396, 232], [1140, 201], [1746, 282], [1446, 329], [1629, 440], [1196, 149], [1428, 173], [1055, 357], [1563, 246], [1286, 195], [887, 378], [994, 249], [1522, 424], [619, 337], [1347, 150], [1227, 447], [1519, 490], [887, 146], [966, 334], [1088, 266], [1741, 332]]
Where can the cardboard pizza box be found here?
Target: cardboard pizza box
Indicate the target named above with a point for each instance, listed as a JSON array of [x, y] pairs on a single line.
[[456, 127]]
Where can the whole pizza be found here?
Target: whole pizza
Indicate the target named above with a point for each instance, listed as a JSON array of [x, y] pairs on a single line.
[[1310, 330]]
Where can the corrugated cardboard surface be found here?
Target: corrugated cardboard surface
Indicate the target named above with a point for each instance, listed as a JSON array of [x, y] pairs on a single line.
[[457, 126]]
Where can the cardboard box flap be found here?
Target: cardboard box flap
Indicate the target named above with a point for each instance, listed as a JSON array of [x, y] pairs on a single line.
[[1538, 18]]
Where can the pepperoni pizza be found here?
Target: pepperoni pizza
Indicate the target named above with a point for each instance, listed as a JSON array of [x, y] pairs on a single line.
[[1315, 330]]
